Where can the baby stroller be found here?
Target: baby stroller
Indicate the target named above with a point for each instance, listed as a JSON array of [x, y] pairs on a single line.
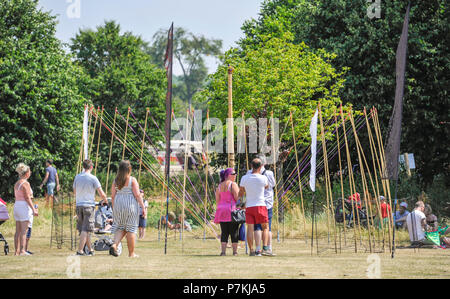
[[102, 231], [348, 212], [4, 216]]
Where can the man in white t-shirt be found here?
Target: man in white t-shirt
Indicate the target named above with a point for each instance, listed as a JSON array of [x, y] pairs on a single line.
[[417, 223], [253, 185], [268, 195]]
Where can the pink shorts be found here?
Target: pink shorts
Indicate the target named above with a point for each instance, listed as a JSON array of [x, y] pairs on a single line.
[[256, 215]]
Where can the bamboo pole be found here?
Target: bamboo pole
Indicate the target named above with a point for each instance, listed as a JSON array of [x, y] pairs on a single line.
[[230, 126], [299, 176], [142, 145], [386, 181], [341, 177], [350, 175], [110, 150], [126, 131], [98, 141], [275, 176], [363, 178], [328, 189], [187, 138], [375, 162], [245, 140], [206, 173]]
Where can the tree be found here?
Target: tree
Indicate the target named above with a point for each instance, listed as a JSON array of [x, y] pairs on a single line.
[[189, 51], [40, 104], [276, 76], [367, 46], [121, 75]]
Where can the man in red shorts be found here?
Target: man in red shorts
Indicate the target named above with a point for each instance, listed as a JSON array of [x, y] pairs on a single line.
[[253, 185]]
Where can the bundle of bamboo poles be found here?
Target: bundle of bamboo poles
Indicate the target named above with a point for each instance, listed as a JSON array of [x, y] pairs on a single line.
[[373, 234]]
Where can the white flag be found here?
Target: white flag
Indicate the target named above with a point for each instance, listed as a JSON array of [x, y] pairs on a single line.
[[313, 132], [85, 132]]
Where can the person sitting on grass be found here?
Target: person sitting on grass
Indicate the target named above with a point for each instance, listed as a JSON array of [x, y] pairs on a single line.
[[400, 216], [432, 220], [417, 225], [187, 225], [171, 218]]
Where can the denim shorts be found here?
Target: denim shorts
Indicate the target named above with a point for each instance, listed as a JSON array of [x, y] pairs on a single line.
[[142, 222], [51, 188], [270, 214]]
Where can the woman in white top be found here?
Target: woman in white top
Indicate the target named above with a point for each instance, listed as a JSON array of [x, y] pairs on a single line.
[[23, 208]]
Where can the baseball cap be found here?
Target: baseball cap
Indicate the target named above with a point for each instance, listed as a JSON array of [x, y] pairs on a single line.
[[404, 204]]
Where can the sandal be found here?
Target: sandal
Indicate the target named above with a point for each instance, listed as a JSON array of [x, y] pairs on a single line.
[[113, 251]]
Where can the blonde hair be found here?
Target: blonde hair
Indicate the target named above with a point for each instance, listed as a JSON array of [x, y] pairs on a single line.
[[22, 169]]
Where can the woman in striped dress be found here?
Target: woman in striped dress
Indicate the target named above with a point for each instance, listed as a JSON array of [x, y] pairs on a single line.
[[125, 199]]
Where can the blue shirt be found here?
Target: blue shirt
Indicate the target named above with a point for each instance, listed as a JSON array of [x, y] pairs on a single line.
[[397, 215], [51, 174], [85, 185]]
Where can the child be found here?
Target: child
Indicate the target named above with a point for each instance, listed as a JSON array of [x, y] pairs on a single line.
[[142, 220], [30, 226]]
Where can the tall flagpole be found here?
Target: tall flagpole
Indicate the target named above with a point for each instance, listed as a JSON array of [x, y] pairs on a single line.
[[393, 146], [168, 125]]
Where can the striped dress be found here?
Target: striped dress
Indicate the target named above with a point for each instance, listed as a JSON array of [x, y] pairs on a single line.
[[125, 211]]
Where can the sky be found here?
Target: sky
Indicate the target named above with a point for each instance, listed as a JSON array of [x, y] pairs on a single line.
[[216, 19]]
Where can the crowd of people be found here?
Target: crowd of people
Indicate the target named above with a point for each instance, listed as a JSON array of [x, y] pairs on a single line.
[[129, 210]]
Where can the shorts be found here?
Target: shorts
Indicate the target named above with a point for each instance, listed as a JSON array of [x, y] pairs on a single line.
[[51, 188], [269, 214], [142, 222], [85, 219], [22, 211], [255, 215]]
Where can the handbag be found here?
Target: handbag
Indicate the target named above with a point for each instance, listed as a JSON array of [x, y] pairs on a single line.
[[238, 215]]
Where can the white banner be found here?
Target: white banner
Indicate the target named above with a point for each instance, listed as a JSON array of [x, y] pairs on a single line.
[[313, 132], [85, 132]]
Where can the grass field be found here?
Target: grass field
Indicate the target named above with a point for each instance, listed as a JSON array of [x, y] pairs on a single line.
[[200, 259]]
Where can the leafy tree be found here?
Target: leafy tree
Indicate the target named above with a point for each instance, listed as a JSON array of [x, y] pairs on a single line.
[[189, 51], [121, 75], [121, 72], [367, 46], [276, 76], [40, 104]]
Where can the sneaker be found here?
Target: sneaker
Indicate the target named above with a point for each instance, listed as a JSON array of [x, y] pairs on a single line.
[[235, 253], [258, 253], [80, 253], [222, 254], [253, 253], [268, 253], [29, 252], [91, 253]]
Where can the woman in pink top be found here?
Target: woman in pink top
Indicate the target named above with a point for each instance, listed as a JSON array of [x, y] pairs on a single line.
[[23, 208], [226, 197]]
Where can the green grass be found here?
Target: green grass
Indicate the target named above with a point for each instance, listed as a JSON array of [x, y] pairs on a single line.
[[198, 258]]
